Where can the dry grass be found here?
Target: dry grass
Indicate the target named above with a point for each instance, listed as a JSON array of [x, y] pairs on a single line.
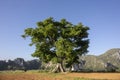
[[35, 75]]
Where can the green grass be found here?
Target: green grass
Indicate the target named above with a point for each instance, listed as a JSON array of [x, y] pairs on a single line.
[[11, 72]]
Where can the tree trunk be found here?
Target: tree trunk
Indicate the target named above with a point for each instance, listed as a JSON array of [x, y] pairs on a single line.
[[70, 69], [59, 68]]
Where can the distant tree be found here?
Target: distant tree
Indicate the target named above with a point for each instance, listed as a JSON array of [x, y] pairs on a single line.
[[110, 67], [58, 41], [33, 64], [19, 63], [11, 64], [3, 65]]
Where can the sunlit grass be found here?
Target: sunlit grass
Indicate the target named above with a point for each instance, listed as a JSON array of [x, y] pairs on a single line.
[[11, 71]]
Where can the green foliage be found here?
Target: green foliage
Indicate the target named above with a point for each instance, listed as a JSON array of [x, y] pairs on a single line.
[[58, 41]]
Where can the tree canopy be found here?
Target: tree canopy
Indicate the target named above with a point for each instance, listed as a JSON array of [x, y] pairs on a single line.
[[58, 41]]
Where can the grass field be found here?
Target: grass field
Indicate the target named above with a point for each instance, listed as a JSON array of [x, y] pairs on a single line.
[[38, 75]]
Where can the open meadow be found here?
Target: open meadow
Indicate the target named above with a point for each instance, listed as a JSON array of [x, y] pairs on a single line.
[[38, 75]]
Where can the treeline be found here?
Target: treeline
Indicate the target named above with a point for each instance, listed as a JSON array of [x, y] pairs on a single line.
[[20, 64]]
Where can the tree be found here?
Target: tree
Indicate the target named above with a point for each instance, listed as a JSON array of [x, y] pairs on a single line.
[[19, 64], [58, 41], [33, 64], [11, 64], [3, 65]]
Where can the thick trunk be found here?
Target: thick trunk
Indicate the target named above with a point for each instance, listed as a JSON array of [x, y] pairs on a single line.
[[62, 68], [70, 69], [59, 68]]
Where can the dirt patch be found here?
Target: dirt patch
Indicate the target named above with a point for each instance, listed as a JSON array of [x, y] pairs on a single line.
[[106, 76], [24, 76], [60, 76]]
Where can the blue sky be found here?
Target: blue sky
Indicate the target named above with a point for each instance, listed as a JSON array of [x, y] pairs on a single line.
[[102, 16]]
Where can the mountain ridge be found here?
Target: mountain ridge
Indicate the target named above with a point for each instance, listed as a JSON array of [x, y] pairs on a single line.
[[108, 61]]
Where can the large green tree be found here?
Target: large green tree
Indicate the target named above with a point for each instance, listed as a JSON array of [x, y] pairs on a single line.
[[60, 42]]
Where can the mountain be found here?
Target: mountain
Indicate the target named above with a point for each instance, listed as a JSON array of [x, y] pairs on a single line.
[[111, 56], [109, 61], [92, 63]]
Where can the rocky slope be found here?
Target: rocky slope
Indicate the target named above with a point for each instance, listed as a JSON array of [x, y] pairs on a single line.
[[109, 61]]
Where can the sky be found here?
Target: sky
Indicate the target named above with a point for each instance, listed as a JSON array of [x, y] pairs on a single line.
[[102, 16]]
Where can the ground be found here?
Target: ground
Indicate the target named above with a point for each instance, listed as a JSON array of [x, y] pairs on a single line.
[[36, 75]]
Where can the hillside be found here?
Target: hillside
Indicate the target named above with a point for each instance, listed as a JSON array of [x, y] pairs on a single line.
[[109, 61], [111, 56], [92, 63]]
